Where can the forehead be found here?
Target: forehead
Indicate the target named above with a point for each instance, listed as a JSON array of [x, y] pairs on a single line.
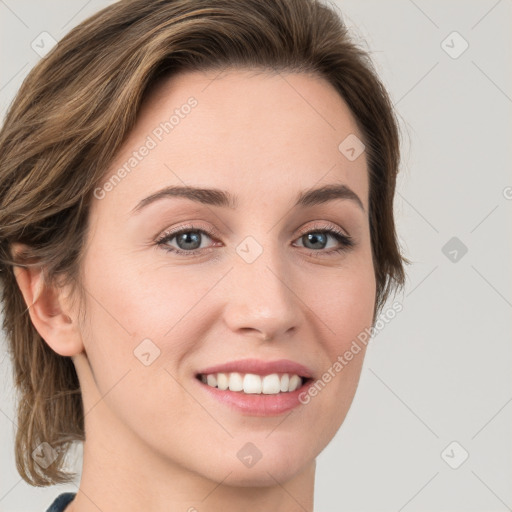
[[253, 133]]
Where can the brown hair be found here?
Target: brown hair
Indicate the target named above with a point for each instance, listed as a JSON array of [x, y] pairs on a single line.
[[74, 110]]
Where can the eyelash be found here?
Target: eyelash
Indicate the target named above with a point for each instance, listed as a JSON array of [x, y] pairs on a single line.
[[346, 241]]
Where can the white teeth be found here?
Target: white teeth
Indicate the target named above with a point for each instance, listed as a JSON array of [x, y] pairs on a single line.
[[236, 382], [251, 383], [222, 381], [271, 385], [285, 380], [295, 382]]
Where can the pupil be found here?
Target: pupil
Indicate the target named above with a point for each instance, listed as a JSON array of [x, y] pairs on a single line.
[[314, 238], [186, 237]]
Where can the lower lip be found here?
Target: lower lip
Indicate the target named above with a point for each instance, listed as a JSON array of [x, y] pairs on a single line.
[[258, 404]]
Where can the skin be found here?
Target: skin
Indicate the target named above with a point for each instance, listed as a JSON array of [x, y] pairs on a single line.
[[155, 440]]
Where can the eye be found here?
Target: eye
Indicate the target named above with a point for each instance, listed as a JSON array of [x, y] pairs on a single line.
[[189, 240], [319, 236]]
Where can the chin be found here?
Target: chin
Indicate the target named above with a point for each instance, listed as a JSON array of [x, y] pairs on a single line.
[[260, 467], [260, 475]]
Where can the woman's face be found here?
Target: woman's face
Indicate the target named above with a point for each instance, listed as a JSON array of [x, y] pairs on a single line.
[[257, 287]]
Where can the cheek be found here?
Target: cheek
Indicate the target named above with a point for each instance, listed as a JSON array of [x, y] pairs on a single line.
[[132, 295], [343, 308], [135, 309], [343, 303], [129, 313]]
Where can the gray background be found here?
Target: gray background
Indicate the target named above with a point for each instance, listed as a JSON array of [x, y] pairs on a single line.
[[441, 370]]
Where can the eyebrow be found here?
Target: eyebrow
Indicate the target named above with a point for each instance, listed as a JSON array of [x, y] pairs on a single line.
[[223, 199]]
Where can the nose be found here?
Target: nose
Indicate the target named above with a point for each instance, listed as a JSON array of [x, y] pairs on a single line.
[[260, 298]]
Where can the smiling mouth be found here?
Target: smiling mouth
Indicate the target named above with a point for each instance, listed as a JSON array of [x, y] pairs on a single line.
[[253, 384]]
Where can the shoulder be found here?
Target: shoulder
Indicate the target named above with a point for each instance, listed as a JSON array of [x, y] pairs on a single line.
[[61, 502]]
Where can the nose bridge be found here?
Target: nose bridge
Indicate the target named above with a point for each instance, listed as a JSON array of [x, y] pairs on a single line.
[[261, 295]]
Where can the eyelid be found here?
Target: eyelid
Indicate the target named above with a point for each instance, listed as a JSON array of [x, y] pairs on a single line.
[[323, 225], [210, 231]]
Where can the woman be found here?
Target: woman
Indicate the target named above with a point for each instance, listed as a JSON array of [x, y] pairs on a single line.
[[196, 215]]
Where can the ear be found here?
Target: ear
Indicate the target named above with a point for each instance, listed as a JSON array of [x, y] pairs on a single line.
[[47, 309]]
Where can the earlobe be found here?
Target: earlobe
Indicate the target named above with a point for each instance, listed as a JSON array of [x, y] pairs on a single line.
[[44, 305]]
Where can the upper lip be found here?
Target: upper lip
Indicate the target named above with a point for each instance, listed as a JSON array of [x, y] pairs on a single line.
[[260, 367]]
